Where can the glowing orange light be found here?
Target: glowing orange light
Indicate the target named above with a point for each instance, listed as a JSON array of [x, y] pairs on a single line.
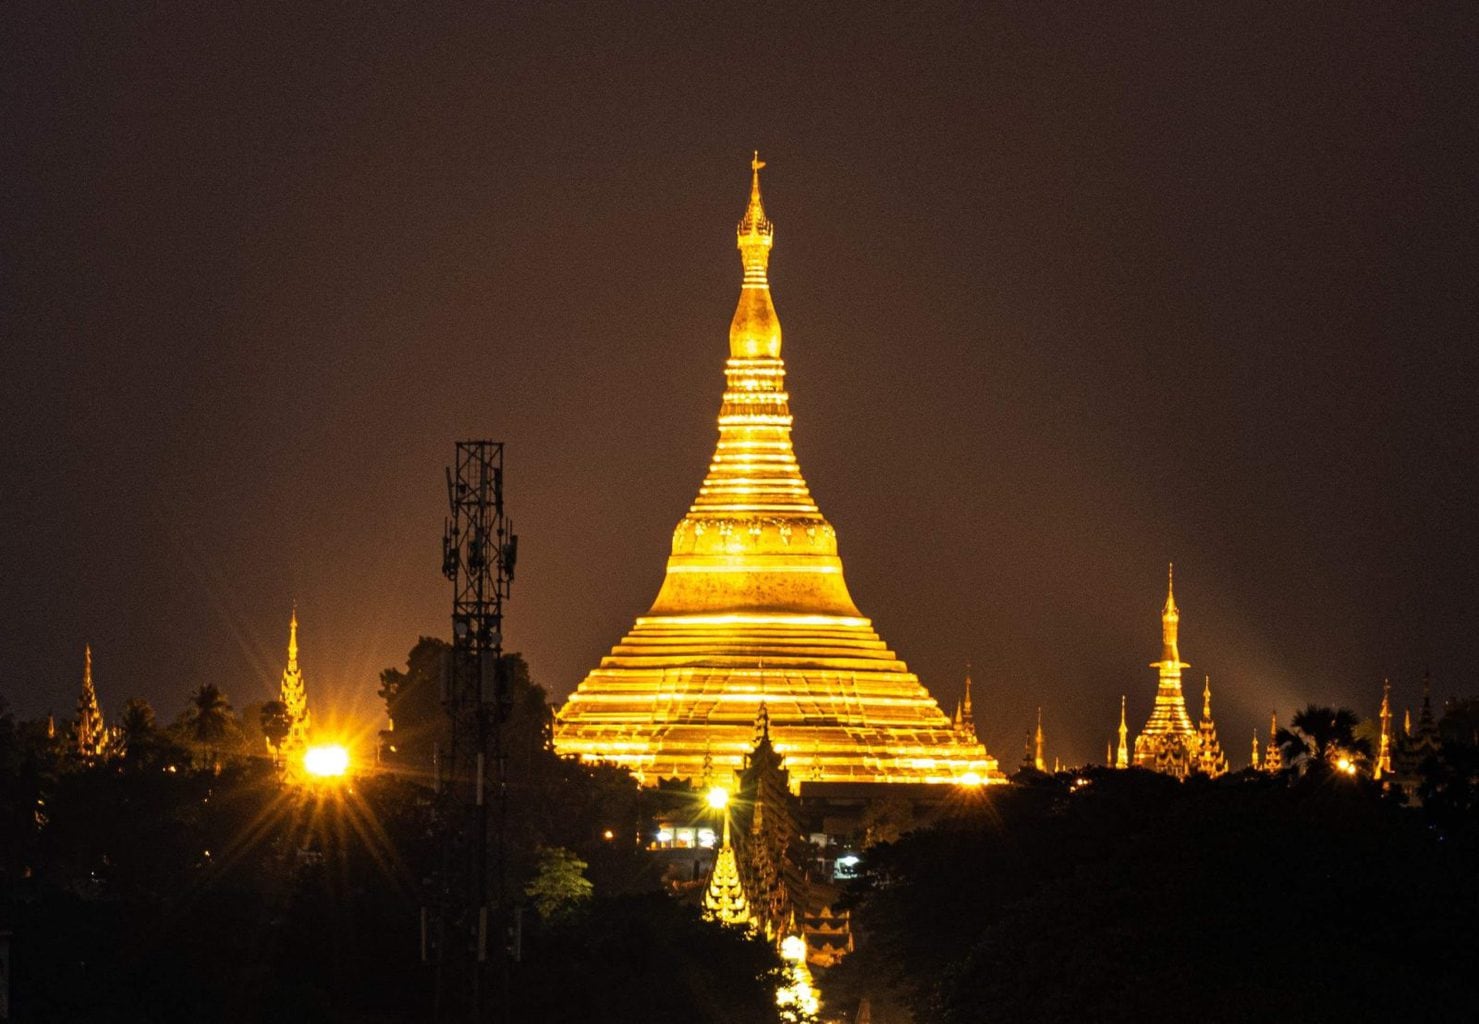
[[718, 798], [326, 762]]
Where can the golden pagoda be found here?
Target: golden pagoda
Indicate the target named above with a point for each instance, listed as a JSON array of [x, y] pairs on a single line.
[[1169, 742], [754, 610], [1384, 751], [1210, 759], [965, 715], [1273, 754], [294, 697], [724, 896], [88, 731], [1253, 762]]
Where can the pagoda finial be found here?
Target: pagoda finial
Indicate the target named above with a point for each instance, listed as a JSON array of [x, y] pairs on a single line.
[[293, 640], [755, 332], [1207, 698], [1037, 742]]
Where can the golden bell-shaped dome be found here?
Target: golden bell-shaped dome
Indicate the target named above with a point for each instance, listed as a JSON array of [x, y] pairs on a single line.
[[754, 612]]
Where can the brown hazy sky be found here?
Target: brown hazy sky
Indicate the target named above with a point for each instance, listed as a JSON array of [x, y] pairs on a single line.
[[1068, 291]]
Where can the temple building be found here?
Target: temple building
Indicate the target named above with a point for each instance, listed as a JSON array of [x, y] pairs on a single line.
[[294, 698], [1273, 753], [1210, 759], [965, 715], [1169, 743], [724, 895], [88, 731], [754, 611]]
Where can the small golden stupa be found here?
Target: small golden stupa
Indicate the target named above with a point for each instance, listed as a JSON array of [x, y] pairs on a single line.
[[754, 610]]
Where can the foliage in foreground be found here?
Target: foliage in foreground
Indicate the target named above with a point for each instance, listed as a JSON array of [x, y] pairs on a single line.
[[1241, 899]]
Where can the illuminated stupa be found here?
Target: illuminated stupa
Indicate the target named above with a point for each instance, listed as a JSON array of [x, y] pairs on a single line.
[[1169, 743], [754, 609]]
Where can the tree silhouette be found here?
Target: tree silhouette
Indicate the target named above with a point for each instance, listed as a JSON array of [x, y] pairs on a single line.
[[276, 724], [139, 729], [209, 720], [1319, 737]]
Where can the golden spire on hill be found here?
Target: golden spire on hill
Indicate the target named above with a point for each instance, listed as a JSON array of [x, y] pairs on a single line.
[[89, 732], [1037, 742], [1253, 762], [754, 600], [1169, 742]]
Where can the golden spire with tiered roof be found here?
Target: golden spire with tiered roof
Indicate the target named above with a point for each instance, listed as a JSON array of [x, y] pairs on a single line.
[[1210, 759], [724, 895], [1169, 741], [1273, 754], [754, 579], [294, 697], [89, 732], [1253, 761]]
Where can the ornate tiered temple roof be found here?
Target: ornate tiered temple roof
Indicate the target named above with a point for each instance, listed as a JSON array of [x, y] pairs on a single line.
[[724, 896], [1169, 742], [88, 731], [1383, 766], [294, 697], [754, 610], [1210, 758], [1273, 754]]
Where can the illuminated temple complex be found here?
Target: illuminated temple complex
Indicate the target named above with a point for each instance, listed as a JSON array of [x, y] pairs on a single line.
[[754, 611]]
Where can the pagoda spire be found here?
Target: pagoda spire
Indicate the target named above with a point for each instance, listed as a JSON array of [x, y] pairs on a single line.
[[1037, 742], [755, 332], [89, 732], [1122, 756], [1210, 759], [293, 694], [1253, 762], [1273, 754], [724, 896], [965, 716], [1169, 742], [1384, 748]]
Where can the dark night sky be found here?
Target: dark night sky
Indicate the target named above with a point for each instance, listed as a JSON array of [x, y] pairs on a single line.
[[1068, 291]]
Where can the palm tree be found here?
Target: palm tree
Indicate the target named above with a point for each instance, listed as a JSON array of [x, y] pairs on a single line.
[[1321, 737], [140, 732], [209, 719]]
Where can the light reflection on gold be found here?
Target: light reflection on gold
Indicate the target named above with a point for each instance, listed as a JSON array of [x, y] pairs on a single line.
[[754, 610]]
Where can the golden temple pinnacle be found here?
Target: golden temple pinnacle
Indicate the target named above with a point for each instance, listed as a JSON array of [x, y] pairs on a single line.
[[754, 612]]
